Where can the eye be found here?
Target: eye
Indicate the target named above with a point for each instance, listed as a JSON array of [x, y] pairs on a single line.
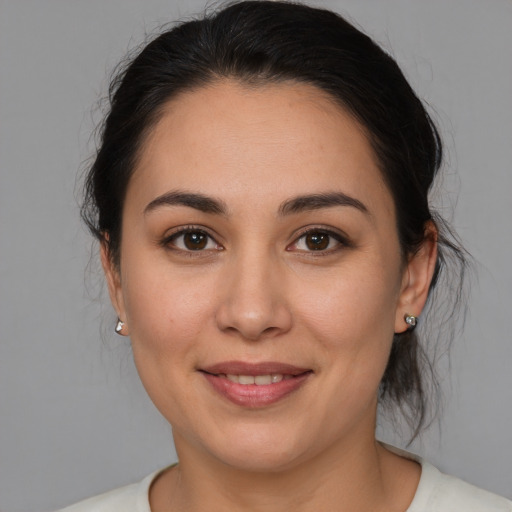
[[192, 239], [318, 240]]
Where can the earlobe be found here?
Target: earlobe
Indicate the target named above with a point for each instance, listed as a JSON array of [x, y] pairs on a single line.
[[416, 280], [113, 277]]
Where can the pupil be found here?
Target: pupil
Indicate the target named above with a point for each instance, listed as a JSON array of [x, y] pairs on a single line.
[[195, 241], [317, 241]]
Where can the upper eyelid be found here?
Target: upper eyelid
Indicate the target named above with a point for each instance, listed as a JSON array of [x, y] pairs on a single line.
[[342, 237], [188, 229], [183, 230], [320, 230]]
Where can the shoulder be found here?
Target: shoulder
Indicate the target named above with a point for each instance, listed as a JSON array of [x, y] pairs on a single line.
[[131, 498], [438, 492], [124, 498]]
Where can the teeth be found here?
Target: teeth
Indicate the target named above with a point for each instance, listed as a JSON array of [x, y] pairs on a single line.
[[259, 380], [245, 379], [263, 380]]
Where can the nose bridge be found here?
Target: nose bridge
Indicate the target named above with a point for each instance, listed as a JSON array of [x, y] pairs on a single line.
[[254, 300]]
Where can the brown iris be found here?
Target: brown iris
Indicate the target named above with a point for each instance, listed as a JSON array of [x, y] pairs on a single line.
[[195, 240], [317, 241]]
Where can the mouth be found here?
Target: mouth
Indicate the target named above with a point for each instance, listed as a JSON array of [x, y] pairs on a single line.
[[255, 385], [258, 380]]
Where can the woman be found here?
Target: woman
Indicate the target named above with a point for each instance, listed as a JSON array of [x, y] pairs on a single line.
[[261, 201]]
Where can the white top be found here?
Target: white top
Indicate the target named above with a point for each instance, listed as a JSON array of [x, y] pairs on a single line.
[[436, 492]]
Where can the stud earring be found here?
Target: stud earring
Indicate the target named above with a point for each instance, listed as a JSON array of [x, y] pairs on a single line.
[[119, 327], [411, 321]]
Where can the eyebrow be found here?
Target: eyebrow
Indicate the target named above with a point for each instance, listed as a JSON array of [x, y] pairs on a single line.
[[317, 201], [192, 200], [297, 204]]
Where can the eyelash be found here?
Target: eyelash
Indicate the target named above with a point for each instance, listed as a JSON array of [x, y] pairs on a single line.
[[169, 242], [342, 241]]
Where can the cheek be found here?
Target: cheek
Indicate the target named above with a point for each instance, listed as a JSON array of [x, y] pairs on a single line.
[[167, 314], [357, 301], [166, 311], [352, 316]]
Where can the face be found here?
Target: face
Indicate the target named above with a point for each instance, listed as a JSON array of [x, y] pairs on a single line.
[[261, 278]]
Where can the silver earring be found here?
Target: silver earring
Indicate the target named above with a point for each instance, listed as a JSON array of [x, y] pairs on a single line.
[[119, 327], [411, 321]]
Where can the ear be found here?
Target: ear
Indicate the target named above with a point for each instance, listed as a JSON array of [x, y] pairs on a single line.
[[416, 278], [113, 277]]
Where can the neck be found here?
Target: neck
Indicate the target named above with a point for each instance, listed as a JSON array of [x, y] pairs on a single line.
[[350, 476]]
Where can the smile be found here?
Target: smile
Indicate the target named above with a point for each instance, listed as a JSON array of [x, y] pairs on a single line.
[[258, 380], [255, 385]]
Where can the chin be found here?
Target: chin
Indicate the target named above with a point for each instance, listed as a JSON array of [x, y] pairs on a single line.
[[260, 462], [259, 449]]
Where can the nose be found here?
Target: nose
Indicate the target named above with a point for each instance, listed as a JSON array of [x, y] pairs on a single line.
[[253, 303]]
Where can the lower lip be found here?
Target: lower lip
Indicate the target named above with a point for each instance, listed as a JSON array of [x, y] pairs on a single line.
[[252, 395]]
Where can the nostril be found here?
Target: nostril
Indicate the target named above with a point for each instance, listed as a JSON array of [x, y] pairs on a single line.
[[254, 334], [270, 330]]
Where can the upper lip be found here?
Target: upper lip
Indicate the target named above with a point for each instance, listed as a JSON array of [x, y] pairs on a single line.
[[254, 369]]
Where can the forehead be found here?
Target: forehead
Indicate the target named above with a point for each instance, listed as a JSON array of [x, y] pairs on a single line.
[[268, 141]]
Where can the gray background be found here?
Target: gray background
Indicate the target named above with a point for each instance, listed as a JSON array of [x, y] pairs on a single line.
[[74, 420]]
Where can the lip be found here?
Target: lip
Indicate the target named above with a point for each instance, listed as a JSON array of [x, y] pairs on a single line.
[[253, 395], [254, 369]]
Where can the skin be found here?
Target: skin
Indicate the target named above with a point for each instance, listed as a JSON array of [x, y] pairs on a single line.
[[257, 292]]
